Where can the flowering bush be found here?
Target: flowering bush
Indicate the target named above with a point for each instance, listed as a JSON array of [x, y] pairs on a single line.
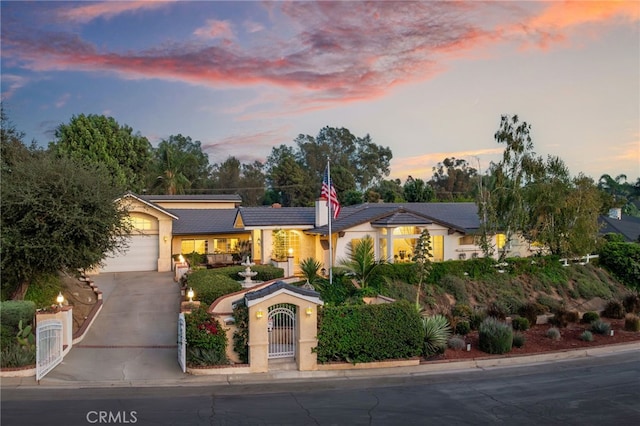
[[206, 340]]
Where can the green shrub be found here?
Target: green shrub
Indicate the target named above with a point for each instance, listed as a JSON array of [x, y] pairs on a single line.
[[463, 327], [631, 303], [476, 318], [241, 335], [520, 323], [208, 286], [553, 333], [587, 336], [206, 339], [195, 258], [530, 311], [15, 355], [310, 268], [364, 333], [623, 260], [495, 337], [43, 290], [461, 311], [600, 327], [14, 311], [561, 317], [497, 310], [338, 292], [456, 343], [519, 340], [632, 322], [589, 317], [455, 286], [613, 309], [549, 302], [264, 272], [437, 331]]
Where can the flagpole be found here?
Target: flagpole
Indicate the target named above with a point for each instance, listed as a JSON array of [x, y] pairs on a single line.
[[329, 203]]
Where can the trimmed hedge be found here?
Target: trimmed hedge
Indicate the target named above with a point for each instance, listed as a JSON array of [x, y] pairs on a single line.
[[208, 285], [14, 311], [265, 272], [623, 260], [365, 333]]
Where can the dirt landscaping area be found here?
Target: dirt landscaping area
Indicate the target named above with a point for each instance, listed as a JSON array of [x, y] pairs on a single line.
[[81, 296], [538, 342]]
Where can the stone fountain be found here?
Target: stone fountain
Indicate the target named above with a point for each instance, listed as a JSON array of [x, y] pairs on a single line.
[[248, 274]]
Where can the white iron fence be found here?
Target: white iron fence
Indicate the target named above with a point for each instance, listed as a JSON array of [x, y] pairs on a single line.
[[48, 346]]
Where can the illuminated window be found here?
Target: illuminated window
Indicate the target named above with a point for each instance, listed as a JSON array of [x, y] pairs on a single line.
[[189, 246], [142, 223], [283, 241], [437, 248], [501, 240]]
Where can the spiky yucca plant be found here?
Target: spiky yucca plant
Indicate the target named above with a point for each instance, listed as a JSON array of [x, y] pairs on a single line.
[[437, 333], [310, 268]]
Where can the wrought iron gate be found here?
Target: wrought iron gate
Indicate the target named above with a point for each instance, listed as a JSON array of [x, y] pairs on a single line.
[[281, 326], [48, 346], [182, 342]]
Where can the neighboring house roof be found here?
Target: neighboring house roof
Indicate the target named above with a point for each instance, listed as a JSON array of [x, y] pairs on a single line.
[[199, 197], [147, 203], [209, 221], [627, 226], [273, 217], [462, 217]]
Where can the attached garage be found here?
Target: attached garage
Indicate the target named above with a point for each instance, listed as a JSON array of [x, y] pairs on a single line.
[[142, 255]]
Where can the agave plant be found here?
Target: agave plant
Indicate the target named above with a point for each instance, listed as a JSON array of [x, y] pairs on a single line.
[[437, 333], [310, 268]]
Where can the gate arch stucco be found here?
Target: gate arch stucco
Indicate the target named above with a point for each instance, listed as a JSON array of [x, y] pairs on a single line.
[[305, 323]]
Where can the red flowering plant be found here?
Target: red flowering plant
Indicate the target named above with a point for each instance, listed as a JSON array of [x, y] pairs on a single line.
[[206, 340]]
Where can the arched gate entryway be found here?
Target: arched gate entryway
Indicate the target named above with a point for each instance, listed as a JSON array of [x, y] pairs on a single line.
[[281, 328]]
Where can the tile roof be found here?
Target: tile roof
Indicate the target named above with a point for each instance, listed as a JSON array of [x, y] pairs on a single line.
[[279, 285], [282, 216], [459, 216], [204, 221], [627, 226], [197, 197]]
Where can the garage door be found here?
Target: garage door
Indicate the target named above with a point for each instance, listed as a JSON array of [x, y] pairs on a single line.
[[142, 255]]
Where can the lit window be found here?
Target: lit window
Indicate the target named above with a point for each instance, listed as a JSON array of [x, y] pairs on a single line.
[[189, 246], [501, 240]]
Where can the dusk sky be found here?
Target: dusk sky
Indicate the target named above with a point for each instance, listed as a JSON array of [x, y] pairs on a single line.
[[430, 80]]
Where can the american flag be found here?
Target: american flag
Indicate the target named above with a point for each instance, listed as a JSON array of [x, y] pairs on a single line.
[[330, 194]]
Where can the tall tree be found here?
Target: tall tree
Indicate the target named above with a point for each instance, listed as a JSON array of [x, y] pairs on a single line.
[[181, 165], [252, 184], [511, 174], [417, 191], [287, 177], [97, 139], [454, 179], [58, 213], [389, 191]]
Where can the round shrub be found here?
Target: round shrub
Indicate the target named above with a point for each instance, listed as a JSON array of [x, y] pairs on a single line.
[[614, 309], [456, 343], [520, 324], [463, 327], [553, 333], [587, 336], [531, 311], [632, 322], [461, 310], [600, 327], [14, 311], [631, 303], [476, 319], [519, 340], [560, 317], [495, 337], [589, 317]]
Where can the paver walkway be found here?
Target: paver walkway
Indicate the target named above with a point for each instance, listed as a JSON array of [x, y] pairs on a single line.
[[134, 336]]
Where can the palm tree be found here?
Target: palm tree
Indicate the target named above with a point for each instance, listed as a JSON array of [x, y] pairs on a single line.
[[171, 179], [360, 260]]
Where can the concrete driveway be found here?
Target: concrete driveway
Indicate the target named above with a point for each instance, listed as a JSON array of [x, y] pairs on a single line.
[[134, 336]]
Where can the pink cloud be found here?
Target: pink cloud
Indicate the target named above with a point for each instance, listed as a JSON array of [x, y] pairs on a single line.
[[421, 166], [215, 29], [340, 52], [108, 9], [247, 147]]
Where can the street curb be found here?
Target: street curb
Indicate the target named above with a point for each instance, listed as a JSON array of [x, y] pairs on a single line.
[[289, 376]]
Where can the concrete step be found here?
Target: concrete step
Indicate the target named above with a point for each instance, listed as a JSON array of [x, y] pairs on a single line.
[[283, 364]]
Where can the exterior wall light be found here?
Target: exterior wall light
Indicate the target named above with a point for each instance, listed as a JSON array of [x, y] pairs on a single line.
[[60, 299], [190, 294], [259, 314], [290, 252], [309, 311]]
